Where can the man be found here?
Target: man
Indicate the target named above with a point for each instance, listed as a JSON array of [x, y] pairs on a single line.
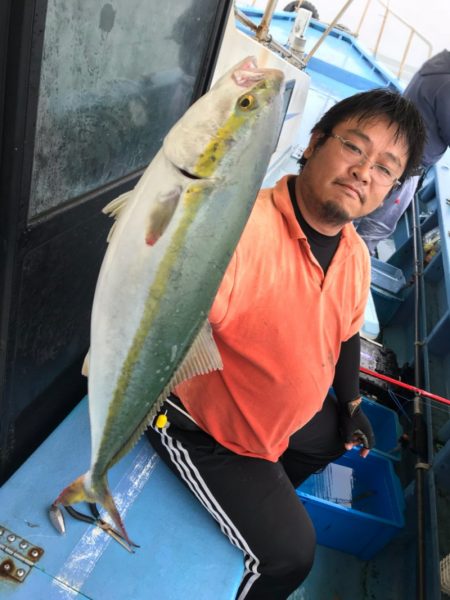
[[429, 90], [286, 321]]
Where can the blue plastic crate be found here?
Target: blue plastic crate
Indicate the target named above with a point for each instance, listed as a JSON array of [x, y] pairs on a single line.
[[371, 325], [386, 276], [356, 504], [386, 427]]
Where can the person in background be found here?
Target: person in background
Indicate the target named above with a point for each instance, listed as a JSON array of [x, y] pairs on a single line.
[[429, 90], [286, 320]]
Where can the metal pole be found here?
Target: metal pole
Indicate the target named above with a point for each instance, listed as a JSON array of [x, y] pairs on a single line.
[[406, 24], [368, 3], [271, 43], [380, 34], [419, 429], [263, 27], [245, 20], [405, 53], [326, 32]]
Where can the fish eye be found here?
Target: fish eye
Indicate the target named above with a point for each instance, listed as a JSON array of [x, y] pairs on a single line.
[[247, 102]]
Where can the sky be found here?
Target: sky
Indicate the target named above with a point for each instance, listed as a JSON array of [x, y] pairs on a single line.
[[431, 18]]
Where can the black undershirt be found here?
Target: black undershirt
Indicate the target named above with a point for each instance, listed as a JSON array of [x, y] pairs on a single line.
[[323, 247]]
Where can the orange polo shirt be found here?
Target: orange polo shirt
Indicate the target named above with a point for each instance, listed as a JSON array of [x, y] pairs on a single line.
[[278, 323]]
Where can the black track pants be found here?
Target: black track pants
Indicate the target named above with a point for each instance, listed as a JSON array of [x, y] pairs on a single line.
[[253, 500]]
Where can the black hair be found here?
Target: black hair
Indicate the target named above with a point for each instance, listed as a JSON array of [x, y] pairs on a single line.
[[366, 106]]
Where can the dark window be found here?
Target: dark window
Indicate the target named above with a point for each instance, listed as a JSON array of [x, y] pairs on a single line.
[[114, 78]]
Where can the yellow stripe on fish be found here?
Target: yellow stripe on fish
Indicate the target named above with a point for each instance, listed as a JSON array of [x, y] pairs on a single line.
[[218, 146]]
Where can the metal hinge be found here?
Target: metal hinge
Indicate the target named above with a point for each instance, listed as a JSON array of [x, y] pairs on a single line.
[[17, 555]]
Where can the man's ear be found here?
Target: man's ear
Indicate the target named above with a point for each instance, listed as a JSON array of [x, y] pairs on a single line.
[[309, 150]]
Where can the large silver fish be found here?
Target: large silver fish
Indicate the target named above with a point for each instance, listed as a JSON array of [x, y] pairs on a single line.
[[173, 239]]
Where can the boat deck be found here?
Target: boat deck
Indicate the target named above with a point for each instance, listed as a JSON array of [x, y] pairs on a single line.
[[182, 552]]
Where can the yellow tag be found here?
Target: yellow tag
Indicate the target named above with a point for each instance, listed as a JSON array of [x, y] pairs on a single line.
[[161, 421]]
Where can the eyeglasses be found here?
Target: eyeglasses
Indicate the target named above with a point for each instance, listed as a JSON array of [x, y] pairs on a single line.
[[381, 174]]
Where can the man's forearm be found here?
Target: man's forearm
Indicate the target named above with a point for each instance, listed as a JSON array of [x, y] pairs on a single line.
[[346, 378]]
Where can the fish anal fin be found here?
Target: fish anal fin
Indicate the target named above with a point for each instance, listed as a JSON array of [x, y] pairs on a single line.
[[161, 214], [202, 357]]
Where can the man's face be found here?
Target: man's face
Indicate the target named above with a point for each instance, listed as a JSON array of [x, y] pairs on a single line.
[[334, 186]]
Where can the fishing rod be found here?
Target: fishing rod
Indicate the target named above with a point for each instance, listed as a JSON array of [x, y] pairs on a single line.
[[406, 386]]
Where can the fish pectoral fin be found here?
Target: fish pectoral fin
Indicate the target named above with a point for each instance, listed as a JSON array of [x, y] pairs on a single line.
[[202, 357], [85, 366], [114, 209], [161, 214]]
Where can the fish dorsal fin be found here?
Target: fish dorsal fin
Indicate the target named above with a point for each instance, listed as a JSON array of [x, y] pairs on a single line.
[[161, 214], [114, 209], [85, 367]]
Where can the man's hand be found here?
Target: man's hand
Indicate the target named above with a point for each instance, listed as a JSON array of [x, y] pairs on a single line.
[[356, 428]]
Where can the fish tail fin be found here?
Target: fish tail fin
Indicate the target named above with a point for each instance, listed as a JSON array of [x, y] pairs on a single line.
[[80, 491], [73, 493], [104, 497]]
